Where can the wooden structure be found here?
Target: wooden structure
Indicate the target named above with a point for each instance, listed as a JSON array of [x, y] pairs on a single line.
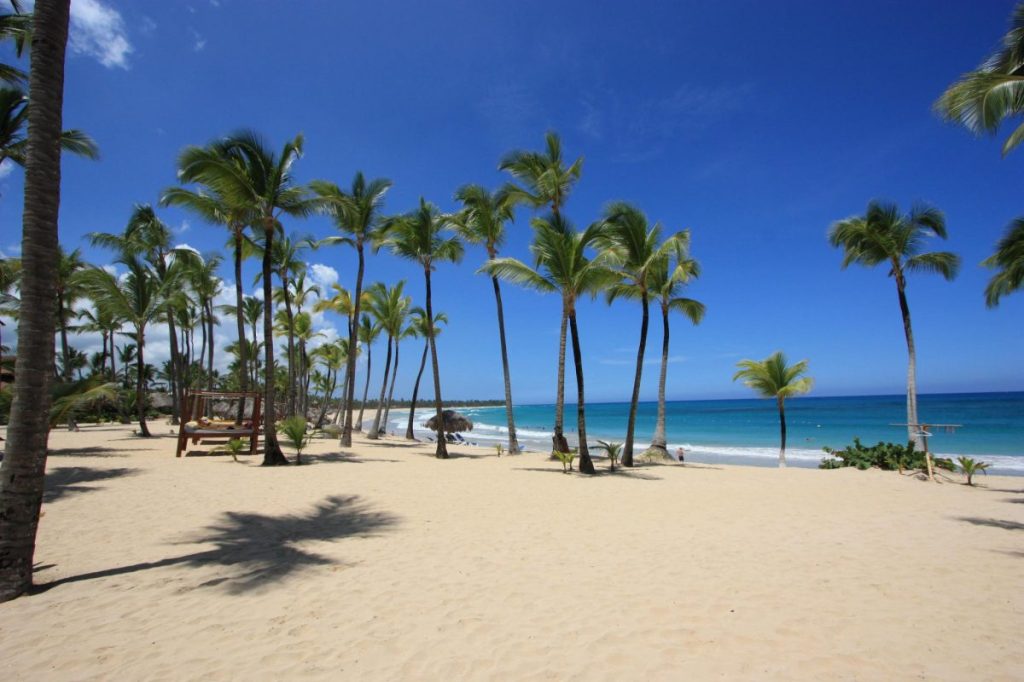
[[923, 433], [199, 430]]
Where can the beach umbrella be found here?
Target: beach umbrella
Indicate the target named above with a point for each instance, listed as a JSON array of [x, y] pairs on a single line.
[[453, 422]]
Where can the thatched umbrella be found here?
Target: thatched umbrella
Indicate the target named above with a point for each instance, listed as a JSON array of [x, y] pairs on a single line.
[[453, 422]]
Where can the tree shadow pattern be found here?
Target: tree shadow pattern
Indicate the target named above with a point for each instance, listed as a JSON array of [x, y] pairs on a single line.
[[66, 481], [994, 523]]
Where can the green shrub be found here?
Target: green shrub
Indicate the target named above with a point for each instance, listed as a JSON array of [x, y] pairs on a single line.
[[885, 456], [613, 450], [566, 458], [294, 430]]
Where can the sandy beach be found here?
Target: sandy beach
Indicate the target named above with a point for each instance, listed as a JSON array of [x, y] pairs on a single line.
[[384, 563]]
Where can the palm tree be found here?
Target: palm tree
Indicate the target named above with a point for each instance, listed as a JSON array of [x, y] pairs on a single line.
[[420, 327], [883, 235], [1009, 261], [546, 180], [17, 28], [24, 463], [288, 263], [636, 249], [355, 214], [139, 299], [417, 236], [482, 221], [993, 92], [390, 308], [69, 291], [773, 378], [14, 108], [333, 356], [102, 321], [244, 171], [562, 265], [665, 287], [202, 273], [217, 209], [368, 333], [301, 294]]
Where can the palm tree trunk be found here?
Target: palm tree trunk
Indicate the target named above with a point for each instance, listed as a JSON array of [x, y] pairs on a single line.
[[442, 445], [374, 433], [290, 396], [912, 431], [341, 399], [24, 463], [140, 385], [558, 441], [513, 442], [212, 345], [173, 366], [391, 391], [272, 454], [415, 392], [627, 450], [366, 388], [65, 349], [332, 377], [113, 364], [586, 464], [243, 349], [658, 443], [353, 328], [782, 430]]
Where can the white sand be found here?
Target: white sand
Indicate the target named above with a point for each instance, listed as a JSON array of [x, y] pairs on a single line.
[[486, 568]]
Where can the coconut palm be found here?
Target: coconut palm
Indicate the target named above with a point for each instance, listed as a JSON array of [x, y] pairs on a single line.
[[389, 307], [368, 333], [14, 108], [982, 99], [773, 378], [562, 265], [884, 235], [355, 214], [101, 320], [636, 250], [69, 291], [202, 275], [1009, 261], [304, 292], [287, 264], [482, 220], [544, 177], [333, 356], [243, 170], [15, 27], [418, 236], [24, 463], [338, 301], [420, 327]]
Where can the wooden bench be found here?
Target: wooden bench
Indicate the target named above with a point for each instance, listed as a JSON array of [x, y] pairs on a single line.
[[195, 409]]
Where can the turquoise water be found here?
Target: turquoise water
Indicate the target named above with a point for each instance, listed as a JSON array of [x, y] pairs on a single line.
[[747, 431]]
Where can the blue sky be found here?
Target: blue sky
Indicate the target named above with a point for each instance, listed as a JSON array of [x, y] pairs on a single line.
[[754, 124]]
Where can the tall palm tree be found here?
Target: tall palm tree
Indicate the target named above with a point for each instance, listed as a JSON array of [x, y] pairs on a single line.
[[355, 214], [69, 291], [982, 99], [304, 292], [217, 209], [102, 321], [482, 220], [637, 250], [368, 333], [333, 357], [24, 463], [773, 378], [390, 308], [544, 177], [562, 265], [419, 236], [665, 286], [288, 264], [1009, 261], [202, 274], [420, 327], [884, 235], [243, 170], [14, 110]]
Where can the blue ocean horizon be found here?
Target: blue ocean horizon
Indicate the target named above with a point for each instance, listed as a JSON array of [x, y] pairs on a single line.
[[746, 430]]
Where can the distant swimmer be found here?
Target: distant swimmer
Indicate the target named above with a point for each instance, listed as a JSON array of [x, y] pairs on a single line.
[[681, 454]]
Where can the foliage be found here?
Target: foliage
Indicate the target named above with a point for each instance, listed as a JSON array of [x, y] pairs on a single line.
[[566, 458], [500, 449], [612, 450], [234, 447], [1008, 260], [969, 467], [295, 432], [884, 456]]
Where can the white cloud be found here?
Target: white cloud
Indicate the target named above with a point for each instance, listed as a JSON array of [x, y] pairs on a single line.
[[98, 31], [5, 168], [324, 275], [184, 227], [147, 26], [198, 41]]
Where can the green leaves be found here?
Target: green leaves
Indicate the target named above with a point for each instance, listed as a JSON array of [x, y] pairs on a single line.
[[773, 377], [1009, 261]]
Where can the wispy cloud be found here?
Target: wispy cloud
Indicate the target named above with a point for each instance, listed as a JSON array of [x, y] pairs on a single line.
[[147, 26], [184, 227], [198, 41], [98, 31], [509, 108]]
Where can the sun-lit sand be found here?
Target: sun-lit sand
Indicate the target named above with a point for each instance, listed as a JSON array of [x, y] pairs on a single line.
[[384, 563]]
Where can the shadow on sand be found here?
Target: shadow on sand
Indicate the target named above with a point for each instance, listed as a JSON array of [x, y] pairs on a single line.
[[257, 549], [96, 451], [333, 457], [66, 481], [600, 473], [993, 523]]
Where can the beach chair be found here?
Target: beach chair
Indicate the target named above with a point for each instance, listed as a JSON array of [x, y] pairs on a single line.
[[196, 429]]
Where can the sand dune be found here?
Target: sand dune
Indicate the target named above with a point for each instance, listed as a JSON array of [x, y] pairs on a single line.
[[384, 563]]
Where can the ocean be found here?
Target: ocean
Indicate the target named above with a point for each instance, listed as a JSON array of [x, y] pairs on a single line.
[[747, 431]]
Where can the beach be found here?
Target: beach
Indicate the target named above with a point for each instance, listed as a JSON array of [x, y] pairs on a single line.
[[381, 562]]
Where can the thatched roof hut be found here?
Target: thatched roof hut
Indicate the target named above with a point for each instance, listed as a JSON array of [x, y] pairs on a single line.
[[453, 422]]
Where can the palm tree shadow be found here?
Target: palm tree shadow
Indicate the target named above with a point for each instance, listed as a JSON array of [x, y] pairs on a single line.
[[96, 451], [66, 481], [258, 549], [994, 523]]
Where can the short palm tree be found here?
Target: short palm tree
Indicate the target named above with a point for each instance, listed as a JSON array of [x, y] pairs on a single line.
[[333, 357], [482, 220], [562, 266], [636, 249], [389, 306], [667, 281], [885, 236], [244, 171], [545, 180], [419, 236], [773, 378], [294, 430], [969, 467], [355, 214], [1009, 261], [420, 327], [612, 450]]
